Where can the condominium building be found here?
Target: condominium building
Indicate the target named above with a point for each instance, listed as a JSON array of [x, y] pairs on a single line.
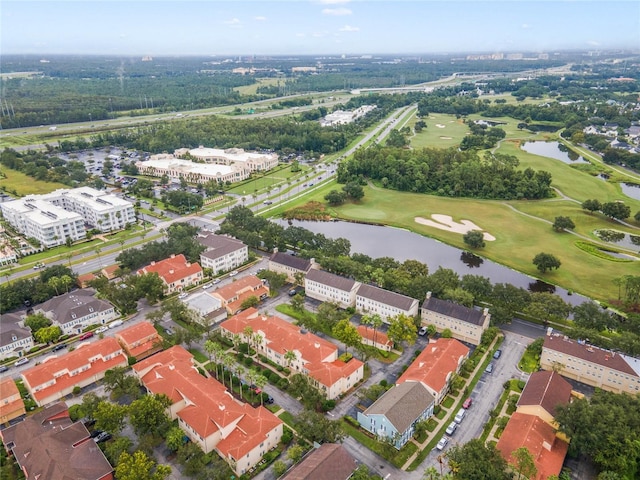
[[373, 300], [176, 168], [176, 273], [254, 162], [64, 214], [11, 403], [328, 287], [15, 339], [222, 253], [290, 265], [575, 359], [466, 324]]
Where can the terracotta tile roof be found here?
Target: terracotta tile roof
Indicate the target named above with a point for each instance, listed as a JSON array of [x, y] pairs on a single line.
[[291, 261], [329, 373], [110, 271], [139, 339], [435, 363], [369, 333], [172, 269], [228, 293], [210, 408], [386, 297], [402, 404], [83, 280], [282, 336], [9, 389], [58, 369], [329, 462], [588, 353], [547, 389], [331, 280], [49, 446], [450, 309], [539, 438]]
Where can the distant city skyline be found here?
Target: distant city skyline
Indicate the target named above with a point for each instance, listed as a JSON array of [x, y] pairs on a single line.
[[314, 27]]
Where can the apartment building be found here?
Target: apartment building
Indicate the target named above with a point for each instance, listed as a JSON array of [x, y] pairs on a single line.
[[374, 300], [176, 168], [592, 365], [140, 340], [466, 324], [232, 296], [207, 413], [76, 310], [57, 376], [254, 162], [290, 265], [11, 403], [176, 273], [222, 253], [15, 339], [311, 355], [328, 287]]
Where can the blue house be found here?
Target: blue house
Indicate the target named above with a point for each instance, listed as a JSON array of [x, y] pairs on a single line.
[[394, 415]]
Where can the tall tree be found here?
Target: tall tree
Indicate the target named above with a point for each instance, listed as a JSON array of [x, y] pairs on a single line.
[[347, 333], [140, 467], [524, 464], [546, 261], [402, 329], [476, 461]]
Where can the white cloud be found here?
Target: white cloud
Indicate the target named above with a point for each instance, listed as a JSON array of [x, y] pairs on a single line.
[[260, 18], [233, 21], [317, 34], [337, 12], [333, 2], [593, 43], [349, 28], [526, 26], [300, 35]]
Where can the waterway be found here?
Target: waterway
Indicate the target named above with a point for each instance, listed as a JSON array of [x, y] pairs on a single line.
[[555, 150], [379, 241]]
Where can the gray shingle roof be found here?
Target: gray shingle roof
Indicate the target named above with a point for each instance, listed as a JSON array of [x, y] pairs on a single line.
[[72, 305], [9, 328], [385, 296], [291, 261], [450, 309], [402, 404], [219, 245], [331, 280]]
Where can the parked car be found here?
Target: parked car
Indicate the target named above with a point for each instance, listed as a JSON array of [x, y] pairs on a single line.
[[115, 323], [269, 400], [183, 295], [234, 273], [267, 202], [497, 354], [451, 428], [489, 368], [95, 433], [3, 368], [168, 331], [423, 331], [103, 437], [206, 285], [442, 443], [60, 346], [467, 403], [86, 336], [216, 281], [22, 361], [102, 329]]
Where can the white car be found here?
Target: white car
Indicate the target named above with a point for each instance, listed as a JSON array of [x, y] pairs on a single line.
[[442, 443], [216, 281], [101, 329], [22, 361], [115, 323], [183, 295], [234, 273]]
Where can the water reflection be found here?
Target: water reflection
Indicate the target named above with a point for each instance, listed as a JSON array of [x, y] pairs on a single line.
[[621, 239], [471, 260], [555, 150], [631, 190], [541, 287]]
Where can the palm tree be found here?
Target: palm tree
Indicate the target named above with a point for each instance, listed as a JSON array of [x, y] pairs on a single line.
[[226, 362], [121, 242], [289, 357], [260, 382], [376, 322], [240, 373], [98, 250]]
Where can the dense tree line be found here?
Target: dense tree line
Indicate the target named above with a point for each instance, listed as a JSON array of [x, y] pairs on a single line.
[[447, 172], [51, 281], [44, 167], [180, 240]]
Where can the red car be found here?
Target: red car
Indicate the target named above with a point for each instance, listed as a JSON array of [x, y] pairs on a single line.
[[467, 403], [86, 336]]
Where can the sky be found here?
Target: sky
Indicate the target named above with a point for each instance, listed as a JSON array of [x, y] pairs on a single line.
[[314, 27]]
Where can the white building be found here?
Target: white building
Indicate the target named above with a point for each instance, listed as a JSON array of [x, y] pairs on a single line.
[[15, 340], [65, 213], [373, 300], [175, 168], [255, 162], [222, 253], [327, 287]]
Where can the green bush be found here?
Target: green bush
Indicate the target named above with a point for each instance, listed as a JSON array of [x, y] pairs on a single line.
[[351, 420], [77, 390], [283, 384], [328, 405], [248, 361], [287, 371], [280, 368], [383, 383], [131, 360], [287, 435]]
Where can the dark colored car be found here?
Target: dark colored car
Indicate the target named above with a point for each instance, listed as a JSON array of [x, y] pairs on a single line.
[[103, 437], [95, 433], [59, 347], [3, 368]]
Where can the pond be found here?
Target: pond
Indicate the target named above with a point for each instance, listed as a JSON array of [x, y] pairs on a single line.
[[379, 241], [631, 190], [555, 150], [621, 239]]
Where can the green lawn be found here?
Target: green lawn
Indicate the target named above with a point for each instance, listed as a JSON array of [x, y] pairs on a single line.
[[25, 185]]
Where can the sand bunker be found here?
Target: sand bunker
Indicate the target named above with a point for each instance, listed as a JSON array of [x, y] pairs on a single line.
[[445, 138], [439, 125], [445, 222]]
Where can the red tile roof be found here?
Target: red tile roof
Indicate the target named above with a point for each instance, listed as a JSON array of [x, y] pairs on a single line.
[[548, 451], [210, 407], [588, 353], [84, 279], [250, 283], [329, 373], [547, 389], [110, 271], [9, 389], [58, 369], [435, 363], [140, 339], [371, 334], [172, 269]]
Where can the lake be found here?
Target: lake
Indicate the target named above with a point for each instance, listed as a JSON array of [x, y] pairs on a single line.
[[379, 241], [555, 150]]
